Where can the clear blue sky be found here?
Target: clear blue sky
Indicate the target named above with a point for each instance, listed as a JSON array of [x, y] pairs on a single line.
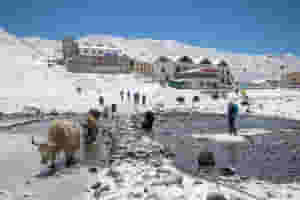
[[253, 26]]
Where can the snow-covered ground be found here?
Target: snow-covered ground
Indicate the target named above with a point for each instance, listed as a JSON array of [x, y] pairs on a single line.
[[272, 103]]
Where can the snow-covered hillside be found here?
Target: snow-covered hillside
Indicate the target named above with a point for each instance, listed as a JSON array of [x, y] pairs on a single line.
[[44, 47], [24, 81]]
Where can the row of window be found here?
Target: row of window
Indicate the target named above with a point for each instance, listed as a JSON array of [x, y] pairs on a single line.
[[178, 69], [96, 52], [144, 68], [209, 84]]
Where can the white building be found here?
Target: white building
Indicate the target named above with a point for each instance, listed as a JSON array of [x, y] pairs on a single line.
[[196, 75], [98, 50], [164, 68], [94, 58], [203, 77]]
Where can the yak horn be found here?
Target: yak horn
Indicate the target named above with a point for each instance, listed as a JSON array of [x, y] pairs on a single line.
[[33, 142]]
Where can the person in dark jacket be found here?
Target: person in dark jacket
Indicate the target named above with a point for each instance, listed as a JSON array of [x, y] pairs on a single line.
[[91, 126], [101, 100], [122, 95], [232, 114], [136, 97], [144, 100], [128, 95], [149, 118]]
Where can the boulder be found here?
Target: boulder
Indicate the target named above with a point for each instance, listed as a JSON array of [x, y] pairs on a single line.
[[215, 196], [228, 171], [93, 170], [180, 99], [215, 96], [206, 159], [96, 185]]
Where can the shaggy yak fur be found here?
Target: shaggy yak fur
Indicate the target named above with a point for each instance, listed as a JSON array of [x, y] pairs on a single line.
[[63, 136]]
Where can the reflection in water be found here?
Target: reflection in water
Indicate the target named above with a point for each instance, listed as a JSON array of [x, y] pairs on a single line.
[[260, 159], [263, 155]]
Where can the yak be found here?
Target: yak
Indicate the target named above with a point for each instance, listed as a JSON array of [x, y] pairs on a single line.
[[63, 136]]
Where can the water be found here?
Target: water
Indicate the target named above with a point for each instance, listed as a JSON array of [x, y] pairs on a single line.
[[270, 154], [220, 123], [243, 85]]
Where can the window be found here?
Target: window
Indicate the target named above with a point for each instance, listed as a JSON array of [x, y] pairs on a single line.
[[177, 69], [209, 84], [215, 85], [201, 84], [94, 52], [86, 51], [163, 70], [100, 52]]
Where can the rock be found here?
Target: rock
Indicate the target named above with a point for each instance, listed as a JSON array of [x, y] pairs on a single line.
[[87, 190], [259, 183], [173, 179], [146, 190], [271, 194], [163, 171], [105, 188], [96, 185], [93, 170], [215, 196], [156, 163], [242, 187], [289, 195], [244, 178], [27, 195], [113, 173], [131, 154], [54, 112], [206, 159], [119, 180], [197, 182], [138, 195], [3, 192], [227, 171]]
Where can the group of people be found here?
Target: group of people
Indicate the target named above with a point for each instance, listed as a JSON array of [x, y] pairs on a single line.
[[136, 97], [232, 110]]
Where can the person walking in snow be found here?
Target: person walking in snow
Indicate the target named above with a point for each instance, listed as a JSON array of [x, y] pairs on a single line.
[[232, 114], [144, 99], [122, 95], [136, 98], [147, 124], [101, 100], [128, 96]]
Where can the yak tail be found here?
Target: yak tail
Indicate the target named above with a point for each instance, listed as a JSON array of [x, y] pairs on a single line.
[[33, 142]]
